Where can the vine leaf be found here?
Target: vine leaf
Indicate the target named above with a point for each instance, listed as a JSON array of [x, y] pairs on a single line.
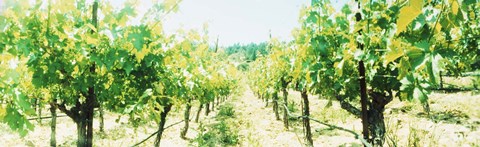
[[418, 54], [420, 95], [455, 7], [128, 67], [138, 36], [408, 14], [394, 53]]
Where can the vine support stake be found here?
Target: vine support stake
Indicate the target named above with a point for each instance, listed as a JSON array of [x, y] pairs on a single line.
[[363, 84]]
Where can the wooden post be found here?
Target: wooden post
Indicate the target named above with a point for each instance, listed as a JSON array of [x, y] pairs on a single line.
[[363, 84]]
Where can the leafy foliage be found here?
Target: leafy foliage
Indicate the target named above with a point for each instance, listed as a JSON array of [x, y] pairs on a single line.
[[404, 46], [134, 69]]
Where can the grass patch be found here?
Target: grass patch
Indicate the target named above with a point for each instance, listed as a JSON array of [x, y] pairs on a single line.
[[449, 116], [392, 127], [219, 133], [292, 107], [333, 115], [226, 111], [459, 82]]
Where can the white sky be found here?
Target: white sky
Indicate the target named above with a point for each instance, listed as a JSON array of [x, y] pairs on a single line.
[[242, 21]]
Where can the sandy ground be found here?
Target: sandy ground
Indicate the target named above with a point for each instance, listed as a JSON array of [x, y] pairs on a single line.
[[455, 123], [258, 126], [116, 134]]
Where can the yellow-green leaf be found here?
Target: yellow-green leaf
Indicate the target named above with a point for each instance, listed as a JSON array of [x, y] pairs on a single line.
[[339, 66], [408, 13], [395, 52], [2, 111], [141, 54], [455, 7], [91, 27], [186, 46], [89, 39], [438, 27]]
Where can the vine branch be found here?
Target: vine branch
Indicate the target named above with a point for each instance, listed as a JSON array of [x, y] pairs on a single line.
[[357, 136], [153, 134]]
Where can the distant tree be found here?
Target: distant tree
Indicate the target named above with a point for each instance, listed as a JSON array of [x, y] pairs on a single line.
[[250, 51]]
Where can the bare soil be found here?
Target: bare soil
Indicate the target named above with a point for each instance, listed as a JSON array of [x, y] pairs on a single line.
[[454, 121]]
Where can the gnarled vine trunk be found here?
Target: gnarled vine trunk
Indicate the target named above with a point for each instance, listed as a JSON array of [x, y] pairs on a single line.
[[38, 107], [207, 108], [198, 112], [186, 118], [82, 112], [102, 124], [163, 119], [275, 106], [306, 120], [81, 133], [285, 111], [285, 102], [265, 98], [53, 125], [91, 99], [376, 118]]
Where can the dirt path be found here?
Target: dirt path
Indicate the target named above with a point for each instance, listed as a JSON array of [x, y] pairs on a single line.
[[258, 126]]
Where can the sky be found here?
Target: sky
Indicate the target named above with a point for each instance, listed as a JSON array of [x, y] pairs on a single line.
[[238, 21]]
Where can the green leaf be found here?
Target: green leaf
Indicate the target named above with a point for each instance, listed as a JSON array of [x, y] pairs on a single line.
[[407, 82], [16, 121], [128, 66], [37, 78], [424, 45], [320, 45], [403, 68], [25, 46], [24, 104], [432, 76], [110, 59], [469, 2], [138, 36], [416, 56], [12, 51], [315, 2], [313, 17], [420, 95], [382, 23]]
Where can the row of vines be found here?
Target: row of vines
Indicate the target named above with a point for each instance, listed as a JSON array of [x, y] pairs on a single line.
[[75, 56], [366, 54]]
